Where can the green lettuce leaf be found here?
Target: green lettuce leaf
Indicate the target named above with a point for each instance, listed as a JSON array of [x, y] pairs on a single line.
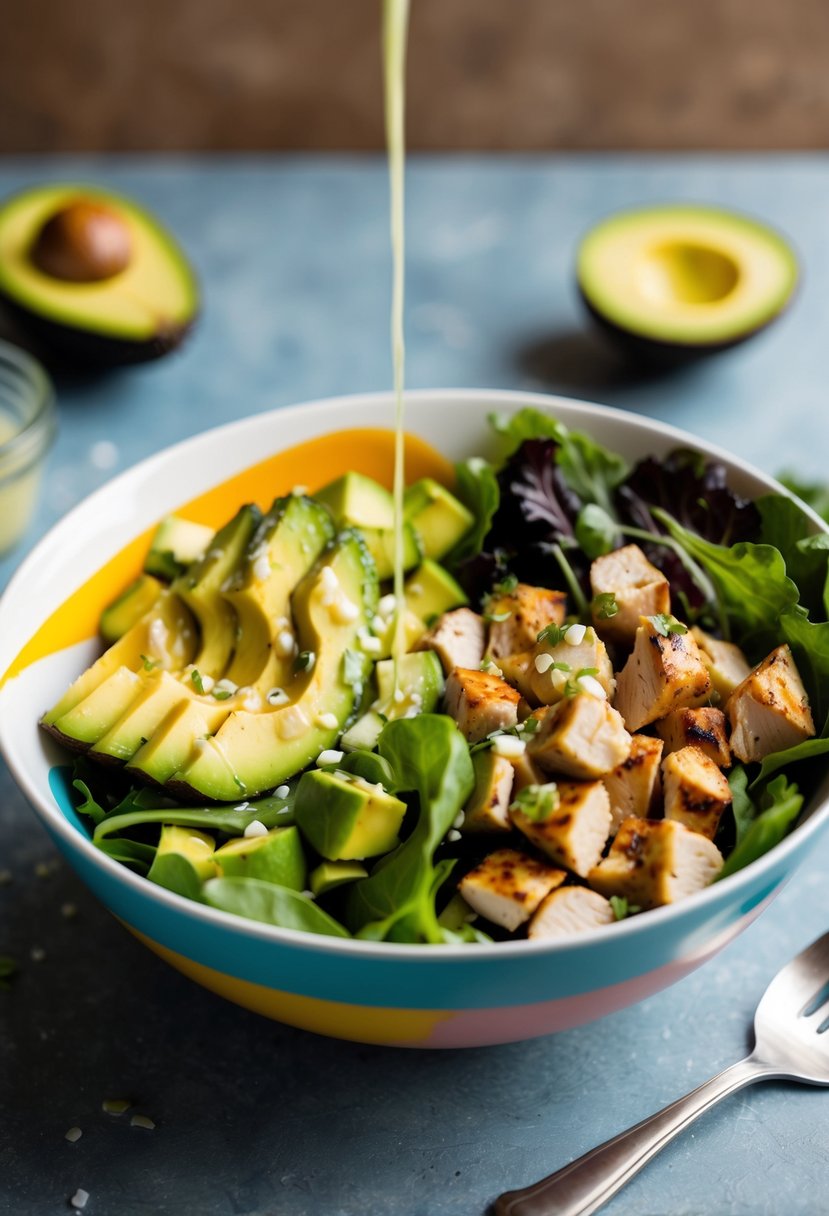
[[477, 488], [779, 806]]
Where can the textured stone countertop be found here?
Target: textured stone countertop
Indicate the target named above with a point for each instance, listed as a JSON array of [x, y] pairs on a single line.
[[254, 1118]]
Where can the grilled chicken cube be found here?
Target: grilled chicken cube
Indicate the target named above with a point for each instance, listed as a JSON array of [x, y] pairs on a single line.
[[770, 710], [507, 887], [582, 736], [581, 649], [480, 703], [570, 910], [638, 588], [634, 785], [704, 728], [488, 807], [516, 670], [726, 663], [457, 638], [656, 861], [575, 833], [530, 610], [662, 673], [696, 791]]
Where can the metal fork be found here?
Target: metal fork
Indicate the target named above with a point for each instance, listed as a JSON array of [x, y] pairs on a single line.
[[789, 1044]]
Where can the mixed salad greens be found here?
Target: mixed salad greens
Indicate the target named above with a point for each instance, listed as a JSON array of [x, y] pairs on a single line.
[[752, 574]]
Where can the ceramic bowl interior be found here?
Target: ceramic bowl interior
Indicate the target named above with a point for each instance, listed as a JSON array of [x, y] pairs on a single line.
[[374, 992]]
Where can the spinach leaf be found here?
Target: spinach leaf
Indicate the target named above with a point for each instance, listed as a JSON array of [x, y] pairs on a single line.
[[132, 853], [477, 488], [175, 872], [779, 807], [596, 532], [430, 757], [806, 554], [273, 905], [742, 807], [810, 646], [272, 812], [801, 751]]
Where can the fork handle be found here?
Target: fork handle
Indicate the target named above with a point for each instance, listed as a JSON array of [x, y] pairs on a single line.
[[585, 1184]]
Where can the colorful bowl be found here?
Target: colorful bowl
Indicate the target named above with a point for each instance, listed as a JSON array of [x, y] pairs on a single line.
[[415, 996]]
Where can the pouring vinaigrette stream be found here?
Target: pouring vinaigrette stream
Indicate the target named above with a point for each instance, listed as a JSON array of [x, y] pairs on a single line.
[[580, 701]]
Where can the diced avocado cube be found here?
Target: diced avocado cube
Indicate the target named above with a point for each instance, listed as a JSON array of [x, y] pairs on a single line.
[[420, 684], [177, 542], [430, 590], [129, 607], [438, 517], [380, 542], [183, 861], [456, 914], [344, 818], [413, 629], [276, 857], [419, 680], [331, 874], [358, 500]]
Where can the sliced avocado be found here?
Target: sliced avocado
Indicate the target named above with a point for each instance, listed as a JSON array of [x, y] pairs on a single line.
[[94, 275], [282, 550], [684, 279], [176, 739], [183, 861], [275, 857], [255, 751], [128, 608], [177, 543], [344, 818], [85, 722], [331, 874], [430, 590], [146, 712], [358, 501], [420, 687], [201, 587], [167, 634], [438, 517]]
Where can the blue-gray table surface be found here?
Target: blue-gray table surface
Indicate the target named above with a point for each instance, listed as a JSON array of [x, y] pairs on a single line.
[[255, 1118]]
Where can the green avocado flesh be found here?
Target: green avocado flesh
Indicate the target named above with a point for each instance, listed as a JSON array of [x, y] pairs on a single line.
[[137, 313], [685, 275]]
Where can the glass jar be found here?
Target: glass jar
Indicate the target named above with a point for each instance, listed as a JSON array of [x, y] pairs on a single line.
[[27, 428]]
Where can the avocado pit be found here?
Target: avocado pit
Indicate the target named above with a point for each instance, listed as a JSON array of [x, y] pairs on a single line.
[[83, 242]]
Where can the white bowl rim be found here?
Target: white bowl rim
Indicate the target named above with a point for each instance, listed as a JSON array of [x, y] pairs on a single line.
[[416, 952]]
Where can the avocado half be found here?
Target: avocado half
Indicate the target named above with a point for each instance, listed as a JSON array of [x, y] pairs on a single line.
[[680, 281], [93, 275]]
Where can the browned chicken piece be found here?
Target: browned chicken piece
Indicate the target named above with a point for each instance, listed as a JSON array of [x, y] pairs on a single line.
[[530, 610], [704, 728], [516, 670], [662, 673], [726, 663], [580, 649], [634, 785], [488, 807], [480, 702], [770, 710], [582, 736], [656, 861], [457, 638], [570, 910], [525, 772], [638, 588], [575, 833], [507, 887], [695, 791]]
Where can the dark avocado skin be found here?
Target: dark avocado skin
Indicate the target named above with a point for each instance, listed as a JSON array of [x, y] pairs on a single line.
[[671, 354], [84, 348]]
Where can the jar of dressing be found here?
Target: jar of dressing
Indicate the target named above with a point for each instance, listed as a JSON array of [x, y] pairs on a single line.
[[27, 428]]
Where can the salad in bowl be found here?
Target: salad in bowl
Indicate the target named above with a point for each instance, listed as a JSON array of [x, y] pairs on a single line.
[[584, 732]]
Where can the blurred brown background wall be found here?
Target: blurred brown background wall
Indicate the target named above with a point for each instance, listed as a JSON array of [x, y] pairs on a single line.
[[484, 74]]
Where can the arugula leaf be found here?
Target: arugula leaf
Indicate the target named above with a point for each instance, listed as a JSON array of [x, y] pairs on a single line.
[[779, 807], [750, 580], [590, 469], [477, 488], [90, 805], [273, 905], [430, 757]]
